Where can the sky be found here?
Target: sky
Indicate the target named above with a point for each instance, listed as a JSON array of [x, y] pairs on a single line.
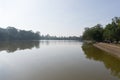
[[57, 17]]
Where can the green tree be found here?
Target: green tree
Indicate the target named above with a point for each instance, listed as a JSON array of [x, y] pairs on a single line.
[[94, 33], [112, 30], [11, 33]]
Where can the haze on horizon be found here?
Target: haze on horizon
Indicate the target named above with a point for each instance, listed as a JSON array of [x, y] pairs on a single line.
[[57, 17]]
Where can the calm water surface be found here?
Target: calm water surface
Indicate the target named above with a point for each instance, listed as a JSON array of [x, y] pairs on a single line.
[[56, 60]]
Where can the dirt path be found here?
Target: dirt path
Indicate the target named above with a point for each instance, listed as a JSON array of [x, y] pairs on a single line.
[[110, 48]]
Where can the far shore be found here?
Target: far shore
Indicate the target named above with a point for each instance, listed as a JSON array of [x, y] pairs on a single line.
[[113, 49]]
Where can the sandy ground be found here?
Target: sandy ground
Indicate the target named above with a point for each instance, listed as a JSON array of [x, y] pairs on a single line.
[[113, 49]]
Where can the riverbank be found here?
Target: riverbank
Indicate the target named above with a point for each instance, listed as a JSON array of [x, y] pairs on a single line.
[[113, 49]]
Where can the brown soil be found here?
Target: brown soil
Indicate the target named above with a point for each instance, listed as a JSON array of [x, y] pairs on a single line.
[[113, 49]]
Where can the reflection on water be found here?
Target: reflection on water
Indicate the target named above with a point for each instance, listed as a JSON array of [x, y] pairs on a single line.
[[110, 62], [12, 46], [55, 60]]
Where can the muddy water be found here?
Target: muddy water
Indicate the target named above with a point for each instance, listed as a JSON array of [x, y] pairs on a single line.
[[56, 60]]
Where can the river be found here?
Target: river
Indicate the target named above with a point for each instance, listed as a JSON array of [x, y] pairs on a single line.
[[56, 60]]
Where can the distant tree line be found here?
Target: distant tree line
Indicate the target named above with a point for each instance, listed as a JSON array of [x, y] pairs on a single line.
[[11, 33], [48, 37], [110, 33]]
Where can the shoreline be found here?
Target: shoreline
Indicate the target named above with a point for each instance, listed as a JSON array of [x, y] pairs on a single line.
[[112, 49]]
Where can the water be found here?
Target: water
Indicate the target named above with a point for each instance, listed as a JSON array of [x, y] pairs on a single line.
[[56, 60]]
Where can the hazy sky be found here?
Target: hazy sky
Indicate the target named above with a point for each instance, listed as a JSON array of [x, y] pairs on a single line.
[[57, 17]]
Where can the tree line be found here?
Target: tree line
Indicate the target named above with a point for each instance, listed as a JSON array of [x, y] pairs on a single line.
[[11, 33], [48, 37], [109, 33]]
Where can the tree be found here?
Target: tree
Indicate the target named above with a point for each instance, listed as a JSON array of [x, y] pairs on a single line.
[[112, 30], [94, 33], [11, 33]]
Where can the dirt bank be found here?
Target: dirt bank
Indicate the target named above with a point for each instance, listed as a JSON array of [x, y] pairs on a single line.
[[110, 48]]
